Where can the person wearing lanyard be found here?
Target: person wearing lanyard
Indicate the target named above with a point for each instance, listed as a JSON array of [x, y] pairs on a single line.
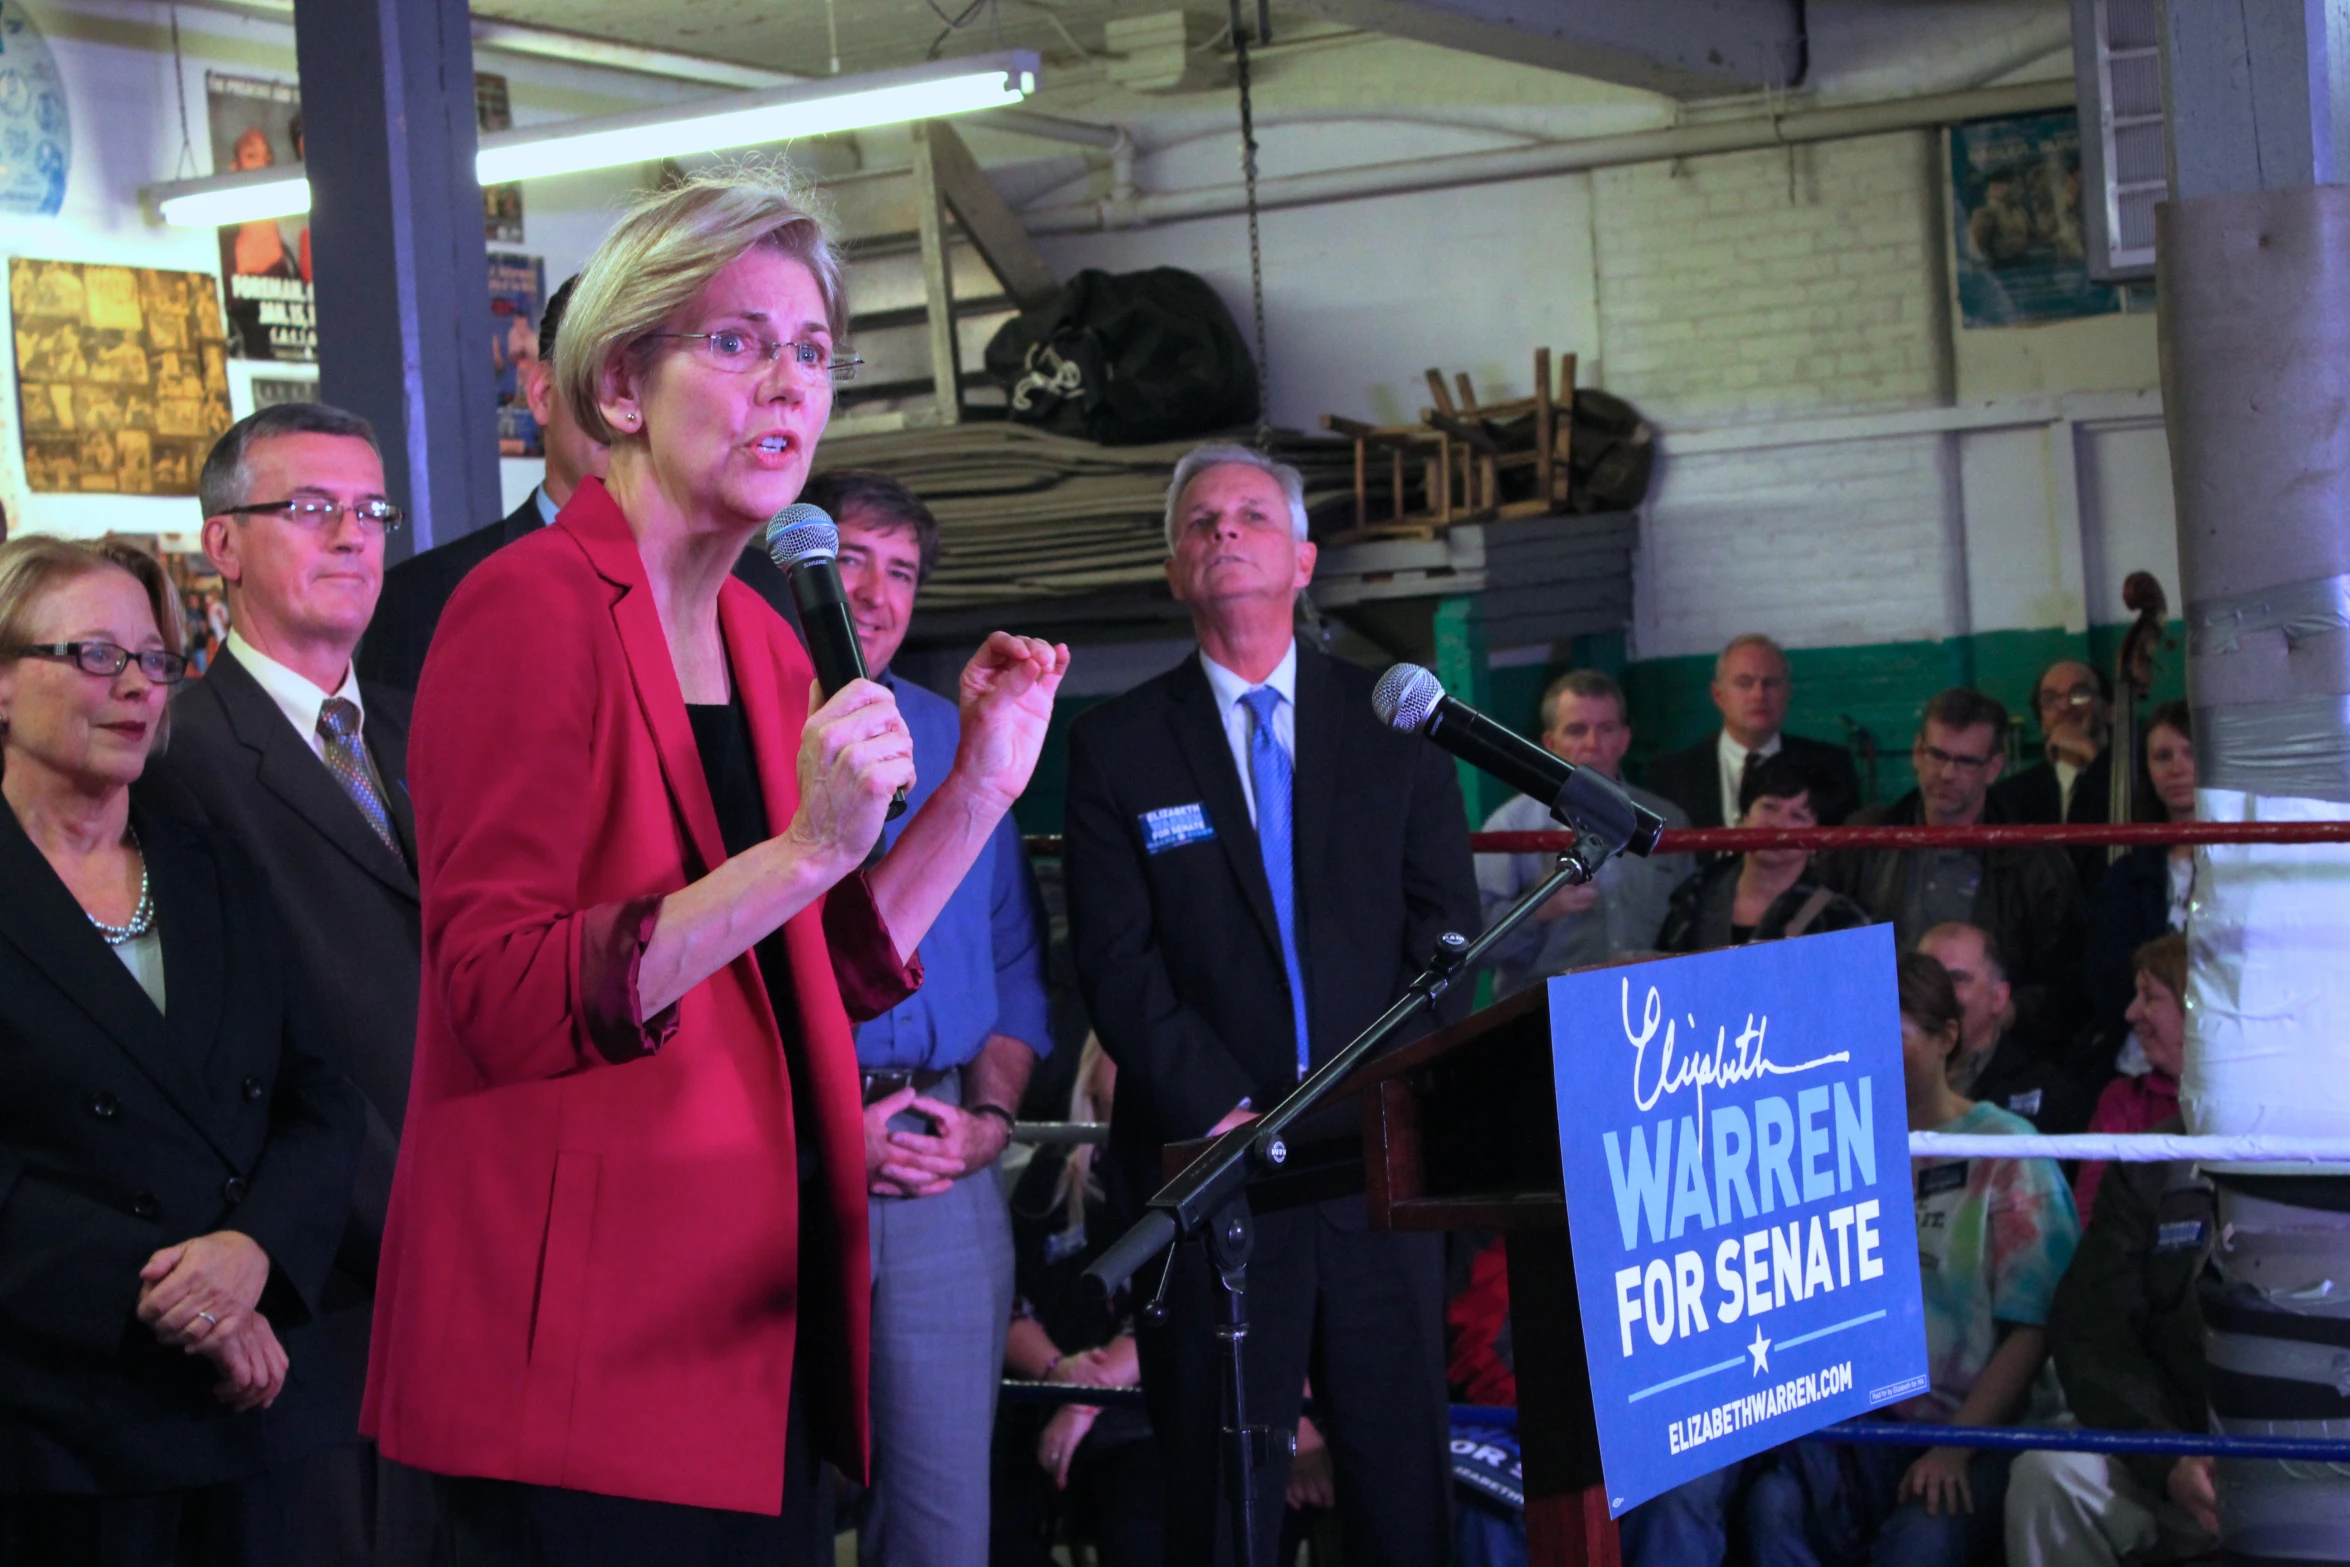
[[943, 1074]]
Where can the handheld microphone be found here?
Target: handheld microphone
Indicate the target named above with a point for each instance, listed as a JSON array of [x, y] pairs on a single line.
[[803, 541], [1411, 699]]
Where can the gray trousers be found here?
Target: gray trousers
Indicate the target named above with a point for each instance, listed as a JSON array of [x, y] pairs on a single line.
[[942, 1298]]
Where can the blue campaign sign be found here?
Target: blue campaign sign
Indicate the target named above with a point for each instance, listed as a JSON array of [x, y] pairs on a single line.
[[1736, 1149]]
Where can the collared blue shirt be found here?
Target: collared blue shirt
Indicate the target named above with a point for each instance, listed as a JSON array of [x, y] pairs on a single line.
[[983, 960]]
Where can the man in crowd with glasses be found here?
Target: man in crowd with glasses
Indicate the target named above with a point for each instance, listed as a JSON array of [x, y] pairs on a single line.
[[2074, 781], [1751, 689], [2027, 898], [285, 749]]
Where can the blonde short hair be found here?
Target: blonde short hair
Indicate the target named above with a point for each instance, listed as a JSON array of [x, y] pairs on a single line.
[[36, 565], [665, 250]]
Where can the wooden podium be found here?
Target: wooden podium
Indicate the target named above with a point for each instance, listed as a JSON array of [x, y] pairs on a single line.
[[1459, 1131]]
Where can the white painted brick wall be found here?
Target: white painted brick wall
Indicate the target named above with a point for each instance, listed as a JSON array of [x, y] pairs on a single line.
[[1820, 546], [1723, 297]]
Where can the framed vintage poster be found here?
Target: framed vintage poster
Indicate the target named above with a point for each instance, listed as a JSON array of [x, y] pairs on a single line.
[[121, 376], [2021, 243]]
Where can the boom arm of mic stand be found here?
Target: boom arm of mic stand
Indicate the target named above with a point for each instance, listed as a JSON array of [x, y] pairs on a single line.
[[1185, 1204]]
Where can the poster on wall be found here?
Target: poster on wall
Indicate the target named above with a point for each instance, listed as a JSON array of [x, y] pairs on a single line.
[[203, 601], [36, 133], [2022, 244], [264, 264], [518, 291], [121, 376], [501, 204]]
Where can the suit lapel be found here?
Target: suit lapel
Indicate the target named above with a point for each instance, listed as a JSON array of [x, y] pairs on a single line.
[[386, 733], [289, 769], [593, 518], [188, 915], [1200, 738], [1319, 734], [41, 919]]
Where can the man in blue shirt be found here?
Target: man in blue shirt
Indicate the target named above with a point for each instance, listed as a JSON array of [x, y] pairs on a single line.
[[944, 1072]]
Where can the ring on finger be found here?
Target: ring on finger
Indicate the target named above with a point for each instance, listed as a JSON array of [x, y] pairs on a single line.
[[209, 1317]]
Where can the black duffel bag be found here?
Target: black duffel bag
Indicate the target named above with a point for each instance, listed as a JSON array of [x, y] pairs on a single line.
[[1124, 359]]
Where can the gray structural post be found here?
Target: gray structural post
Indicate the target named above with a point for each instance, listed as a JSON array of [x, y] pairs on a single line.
[[396, 239], [2253, 257]]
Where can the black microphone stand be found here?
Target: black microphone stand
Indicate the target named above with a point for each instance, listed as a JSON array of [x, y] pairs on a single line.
[[1209, 1200]]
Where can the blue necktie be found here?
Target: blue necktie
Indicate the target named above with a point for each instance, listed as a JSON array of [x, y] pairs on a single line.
[[1269, 776]]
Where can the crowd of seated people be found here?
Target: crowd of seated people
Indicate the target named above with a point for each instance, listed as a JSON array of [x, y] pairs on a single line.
[[2042, 989]]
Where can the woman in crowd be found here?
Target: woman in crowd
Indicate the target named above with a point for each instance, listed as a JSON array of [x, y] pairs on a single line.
[[175, 1161], [2146, 891], [624, 1300], [2139, 1101], [1994, 1237], [1101, 1462], [1763, 895]]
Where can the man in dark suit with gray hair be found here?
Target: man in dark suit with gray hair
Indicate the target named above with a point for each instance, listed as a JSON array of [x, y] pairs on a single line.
[[283, 747], [1256, 869]]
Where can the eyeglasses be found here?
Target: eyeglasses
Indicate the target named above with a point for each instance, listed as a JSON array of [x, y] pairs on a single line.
[[317, 515], [111, 659], [741, 353], [2078, 696], [1956, 764]]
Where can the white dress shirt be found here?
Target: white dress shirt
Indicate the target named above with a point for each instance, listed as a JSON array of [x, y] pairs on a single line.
[[547, 506], [294, 695], [1240, 725], [1733, 757]]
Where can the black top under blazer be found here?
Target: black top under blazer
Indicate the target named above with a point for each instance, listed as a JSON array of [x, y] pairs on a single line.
[[1177, 951], [124, 1130]]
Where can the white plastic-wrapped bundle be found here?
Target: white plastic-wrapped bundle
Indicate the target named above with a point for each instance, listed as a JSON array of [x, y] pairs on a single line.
[[2268, 985]]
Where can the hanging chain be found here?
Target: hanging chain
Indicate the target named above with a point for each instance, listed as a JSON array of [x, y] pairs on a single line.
[[179, 79], [1256, 251]]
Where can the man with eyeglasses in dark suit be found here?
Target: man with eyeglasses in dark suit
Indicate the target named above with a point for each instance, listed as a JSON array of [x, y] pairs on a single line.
[[285, 749], [2026, 898]]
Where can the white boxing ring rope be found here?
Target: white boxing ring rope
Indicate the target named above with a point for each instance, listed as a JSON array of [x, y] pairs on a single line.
[[2134, 1148]]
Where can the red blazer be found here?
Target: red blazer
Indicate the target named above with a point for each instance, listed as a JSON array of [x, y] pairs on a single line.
[[593, 1273]]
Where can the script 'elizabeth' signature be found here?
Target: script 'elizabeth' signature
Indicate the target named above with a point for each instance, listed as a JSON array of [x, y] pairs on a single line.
[[1702, 1071]]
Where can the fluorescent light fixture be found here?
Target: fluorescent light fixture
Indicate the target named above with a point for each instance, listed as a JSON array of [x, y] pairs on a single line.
[[752, 119], [231, 198]]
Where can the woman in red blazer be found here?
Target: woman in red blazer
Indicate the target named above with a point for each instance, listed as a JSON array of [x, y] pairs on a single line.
[[623, 1300]]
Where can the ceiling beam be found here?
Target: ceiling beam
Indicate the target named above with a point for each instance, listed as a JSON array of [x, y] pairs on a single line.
[[1687, 48]]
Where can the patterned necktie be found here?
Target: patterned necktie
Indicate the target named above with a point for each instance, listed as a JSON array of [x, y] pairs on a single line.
[[1269, 776], [338, 727]]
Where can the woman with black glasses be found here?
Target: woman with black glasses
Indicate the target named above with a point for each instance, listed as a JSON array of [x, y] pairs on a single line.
[[175, 1162]]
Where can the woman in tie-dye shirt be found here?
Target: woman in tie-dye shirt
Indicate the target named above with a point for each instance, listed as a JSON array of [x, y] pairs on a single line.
[[1994, 1236]]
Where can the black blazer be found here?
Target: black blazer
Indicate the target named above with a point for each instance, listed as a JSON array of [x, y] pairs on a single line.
[[1176, 951], [235, 764], [417, 590], [1692, 779], [2034, 795], [124, 1130]]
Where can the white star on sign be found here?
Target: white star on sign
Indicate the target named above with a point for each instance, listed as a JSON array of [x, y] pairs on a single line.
[[1760, 1349]]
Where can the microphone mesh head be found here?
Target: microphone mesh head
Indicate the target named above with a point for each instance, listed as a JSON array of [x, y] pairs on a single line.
[[1405, 697], [801, 533]]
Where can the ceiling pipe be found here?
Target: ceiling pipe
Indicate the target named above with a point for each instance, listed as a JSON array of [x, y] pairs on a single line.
[[548, 43], [1549, 158]]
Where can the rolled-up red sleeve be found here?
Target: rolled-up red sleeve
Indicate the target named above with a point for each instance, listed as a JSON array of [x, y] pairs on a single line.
[[873, 978], [612, 942]]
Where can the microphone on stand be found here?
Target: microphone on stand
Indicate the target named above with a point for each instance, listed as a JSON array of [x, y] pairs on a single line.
[[803, 541], [1411, 699]]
